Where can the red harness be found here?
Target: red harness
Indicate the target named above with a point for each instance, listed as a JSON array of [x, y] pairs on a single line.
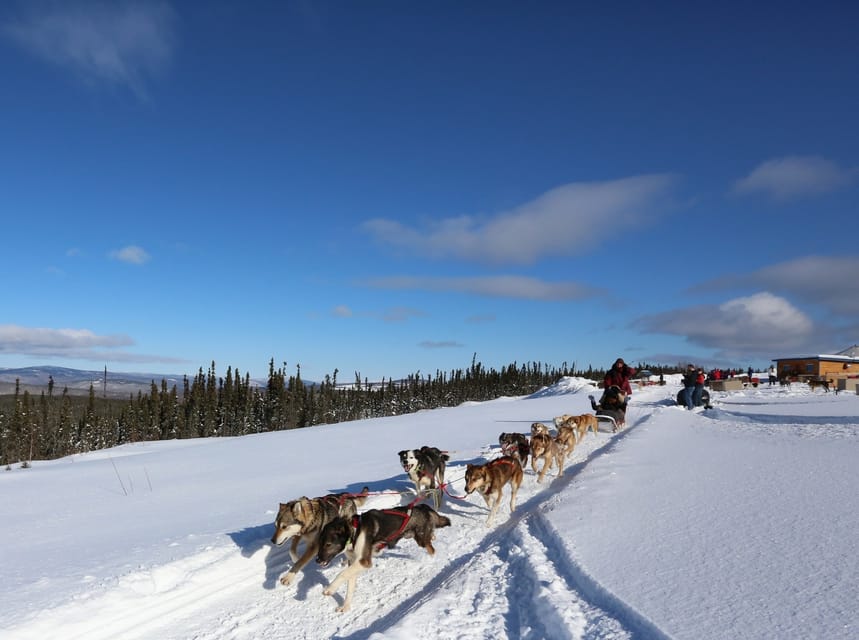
[[405, 515], [509, 448]]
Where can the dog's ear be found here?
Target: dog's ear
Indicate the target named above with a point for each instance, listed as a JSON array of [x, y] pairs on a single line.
[[402, 453]]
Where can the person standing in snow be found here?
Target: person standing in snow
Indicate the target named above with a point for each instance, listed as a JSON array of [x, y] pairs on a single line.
[[698, 393], [690, 378]]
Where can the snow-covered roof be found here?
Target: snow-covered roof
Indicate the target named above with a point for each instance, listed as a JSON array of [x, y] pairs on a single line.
[[850, 354]]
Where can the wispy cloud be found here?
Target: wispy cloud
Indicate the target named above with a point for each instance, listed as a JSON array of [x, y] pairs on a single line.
[[760, 324], [75, 344], [131, 254], [490, 286], [440, 344], [796, 176], [402, 314], [393, 314], [481, 318], [568, 220], [123, 42]]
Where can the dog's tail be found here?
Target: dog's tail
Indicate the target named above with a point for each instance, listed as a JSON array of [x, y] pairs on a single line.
[[361, 498]]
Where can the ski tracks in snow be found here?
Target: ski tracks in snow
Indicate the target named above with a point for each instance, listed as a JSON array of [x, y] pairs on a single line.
[[514, 580]]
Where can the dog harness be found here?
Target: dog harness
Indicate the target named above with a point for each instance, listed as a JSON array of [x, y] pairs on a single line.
[[404, 515], [509, 448]]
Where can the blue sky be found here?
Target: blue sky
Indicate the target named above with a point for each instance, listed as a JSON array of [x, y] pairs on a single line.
[[386, 187]]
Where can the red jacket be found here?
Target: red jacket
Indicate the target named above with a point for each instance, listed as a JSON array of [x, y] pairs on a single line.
[[619, 377]]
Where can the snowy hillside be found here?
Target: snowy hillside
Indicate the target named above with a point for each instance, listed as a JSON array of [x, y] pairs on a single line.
[[737, 522]]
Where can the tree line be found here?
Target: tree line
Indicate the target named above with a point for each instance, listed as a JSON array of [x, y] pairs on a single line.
[[50, 425]]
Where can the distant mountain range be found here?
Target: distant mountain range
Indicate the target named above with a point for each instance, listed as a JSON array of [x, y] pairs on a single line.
[[115, 385]]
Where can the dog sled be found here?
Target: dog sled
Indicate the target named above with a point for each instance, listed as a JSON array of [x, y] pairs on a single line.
[[614, 421], [611, 409]]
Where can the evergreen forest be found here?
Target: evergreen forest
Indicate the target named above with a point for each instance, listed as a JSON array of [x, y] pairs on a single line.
[[51, 425]]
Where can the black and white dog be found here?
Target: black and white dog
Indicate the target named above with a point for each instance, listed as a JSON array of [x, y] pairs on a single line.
[[516, 445], [363, 536], [425, 467]]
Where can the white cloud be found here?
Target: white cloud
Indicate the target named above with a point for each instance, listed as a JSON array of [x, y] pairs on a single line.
[[825, 280], [490, 286], [75, 344], [119, 42], [758, 324], [822, 280], [17, 339], [131, 254], [568, 220], [796, 176]]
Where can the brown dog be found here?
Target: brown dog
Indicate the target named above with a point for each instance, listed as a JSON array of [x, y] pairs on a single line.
[[489, 479], [583, 423], [566, 438], [303, 519], [819, 383], [539, 427], [561, 420], [544, 447]]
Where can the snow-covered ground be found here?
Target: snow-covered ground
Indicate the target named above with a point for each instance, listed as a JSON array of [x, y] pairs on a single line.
[[737, 522]]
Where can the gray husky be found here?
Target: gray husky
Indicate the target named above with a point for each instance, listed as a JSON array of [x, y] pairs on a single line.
[[303, 519]]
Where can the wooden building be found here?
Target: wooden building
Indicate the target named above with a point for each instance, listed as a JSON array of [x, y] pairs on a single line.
[[843, 364]]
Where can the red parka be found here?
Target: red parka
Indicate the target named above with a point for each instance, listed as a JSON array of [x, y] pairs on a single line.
[[619, 375]]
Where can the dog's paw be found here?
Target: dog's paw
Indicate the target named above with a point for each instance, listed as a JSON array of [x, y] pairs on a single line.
[[287, 579], [343, 608]]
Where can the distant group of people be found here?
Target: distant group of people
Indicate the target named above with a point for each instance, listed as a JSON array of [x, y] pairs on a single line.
[[694, 380], [724, 374], [693, 386]]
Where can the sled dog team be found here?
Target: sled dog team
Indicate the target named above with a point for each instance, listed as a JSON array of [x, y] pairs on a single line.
[[331, 524]]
